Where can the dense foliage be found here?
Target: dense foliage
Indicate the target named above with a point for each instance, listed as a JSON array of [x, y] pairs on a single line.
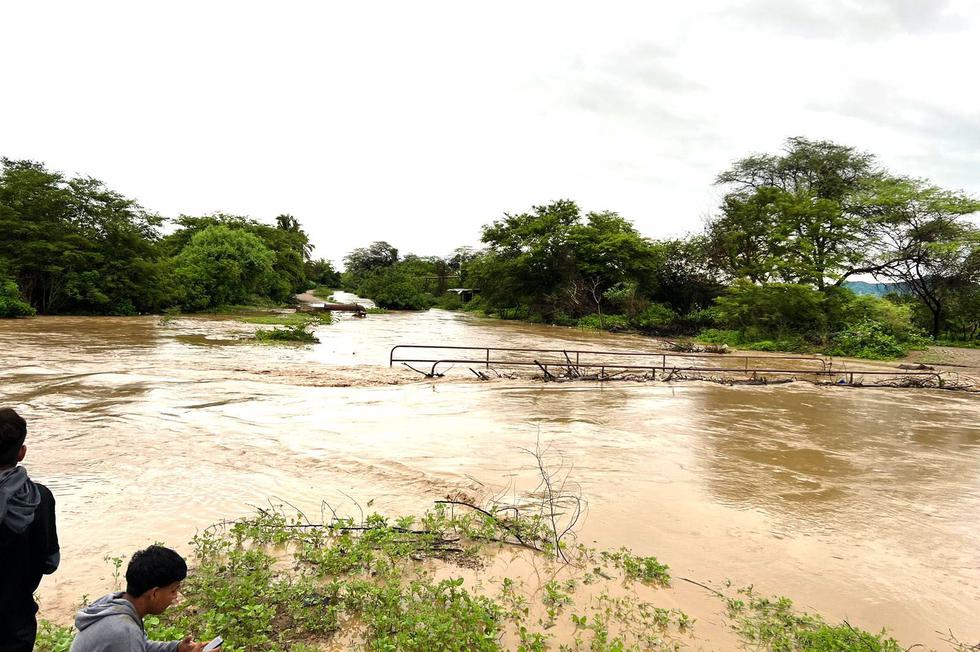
[[770, 269], [820, 212], [72, 245]]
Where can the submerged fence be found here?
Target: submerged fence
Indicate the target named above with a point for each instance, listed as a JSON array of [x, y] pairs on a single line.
[[606, 365]]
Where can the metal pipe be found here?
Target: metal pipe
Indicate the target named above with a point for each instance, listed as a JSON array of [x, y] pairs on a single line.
[[663, 354], [603, 366]]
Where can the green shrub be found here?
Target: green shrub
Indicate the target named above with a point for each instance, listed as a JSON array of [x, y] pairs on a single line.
[[11, 305], [867, 339], [449, 301], [720, 336], [294, 333], [395, 287], [894, 319], [656, 317], [561, 318], [773, 309], [773, 624], [791, 344], [476, 304], [597, 322], [699, 319], [53, 638], [517, 313]]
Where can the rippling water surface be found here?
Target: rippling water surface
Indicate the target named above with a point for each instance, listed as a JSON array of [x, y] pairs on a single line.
[[862, 504]]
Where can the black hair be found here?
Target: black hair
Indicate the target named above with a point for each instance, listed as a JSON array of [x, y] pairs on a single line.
[[13, 432], [153, 567]]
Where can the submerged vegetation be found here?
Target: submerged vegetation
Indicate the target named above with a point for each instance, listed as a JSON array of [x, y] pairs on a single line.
[[430, 583], [773, 624], [295, 328], [501, 572]]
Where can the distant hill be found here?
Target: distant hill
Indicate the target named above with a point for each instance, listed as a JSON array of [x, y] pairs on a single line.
[[877, 289]]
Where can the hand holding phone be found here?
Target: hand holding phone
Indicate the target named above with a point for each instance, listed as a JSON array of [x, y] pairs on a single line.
[[214, 644]]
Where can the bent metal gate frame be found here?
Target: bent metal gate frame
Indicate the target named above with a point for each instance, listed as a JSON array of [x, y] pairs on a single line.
[[572, 361]]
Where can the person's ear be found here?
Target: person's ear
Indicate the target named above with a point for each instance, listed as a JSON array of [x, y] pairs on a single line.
[[22, 453]]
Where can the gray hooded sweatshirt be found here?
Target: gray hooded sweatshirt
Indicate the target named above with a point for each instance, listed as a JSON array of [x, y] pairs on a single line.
[[19, 499], [111, 624]]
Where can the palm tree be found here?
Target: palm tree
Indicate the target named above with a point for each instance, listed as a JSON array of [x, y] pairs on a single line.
[[287, 222]]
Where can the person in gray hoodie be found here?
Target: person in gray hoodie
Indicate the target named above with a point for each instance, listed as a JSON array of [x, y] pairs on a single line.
[[114, 622], [28, 538]]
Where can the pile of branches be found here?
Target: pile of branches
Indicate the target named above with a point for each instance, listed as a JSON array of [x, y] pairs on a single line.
[[949, 381], [544, 519], [693, 347], [572, 373]]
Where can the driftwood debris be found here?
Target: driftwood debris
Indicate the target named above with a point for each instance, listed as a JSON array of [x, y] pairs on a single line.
[[355, 308], [916, 367]]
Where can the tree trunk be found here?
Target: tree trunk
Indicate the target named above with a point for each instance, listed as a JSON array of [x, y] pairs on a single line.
[[937, 321]]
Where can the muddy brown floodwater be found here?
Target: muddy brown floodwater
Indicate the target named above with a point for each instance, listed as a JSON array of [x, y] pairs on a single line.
[[857, 503]]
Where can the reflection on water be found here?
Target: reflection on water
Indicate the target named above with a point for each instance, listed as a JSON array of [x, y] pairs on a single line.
[[858, 503]]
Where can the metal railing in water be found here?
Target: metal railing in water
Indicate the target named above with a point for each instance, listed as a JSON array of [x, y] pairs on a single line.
[[574, 360]]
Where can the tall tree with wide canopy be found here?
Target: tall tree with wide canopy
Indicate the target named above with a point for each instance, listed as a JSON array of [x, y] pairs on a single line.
[[794, 217], [923, 242], [72, 244], [378, 255]]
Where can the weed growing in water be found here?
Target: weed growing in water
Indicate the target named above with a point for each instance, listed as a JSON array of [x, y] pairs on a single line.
[[277, 582], [293, 331], [772, 624]]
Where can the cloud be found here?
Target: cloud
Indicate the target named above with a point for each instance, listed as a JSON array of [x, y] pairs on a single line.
[[852, 19], [642, 85], [952, 128]]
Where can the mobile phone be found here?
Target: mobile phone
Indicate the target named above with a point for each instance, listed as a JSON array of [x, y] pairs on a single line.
[[214, 644]]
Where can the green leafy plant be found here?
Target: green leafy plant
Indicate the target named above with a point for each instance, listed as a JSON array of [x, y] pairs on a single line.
[[867, 339], [53, 638], [294, 333], [773, 624]]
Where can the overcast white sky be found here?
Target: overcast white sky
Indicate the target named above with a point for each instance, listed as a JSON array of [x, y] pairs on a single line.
[[418, 122]]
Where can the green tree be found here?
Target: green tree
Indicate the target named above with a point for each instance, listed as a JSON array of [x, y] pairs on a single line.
[[794, 217], [288, 242], [367, 259], [685, 277], [554, 260], [397, 286], [288, 223], [923, 242], [75, 245], [223, 266], [11, 304], [963, 312], [321, 272]]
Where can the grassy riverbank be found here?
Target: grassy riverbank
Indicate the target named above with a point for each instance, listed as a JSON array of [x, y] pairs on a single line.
[[459, 577]]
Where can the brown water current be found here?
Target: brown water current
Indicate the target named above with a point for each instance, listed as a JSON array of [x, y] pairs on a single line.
[[857, 503]]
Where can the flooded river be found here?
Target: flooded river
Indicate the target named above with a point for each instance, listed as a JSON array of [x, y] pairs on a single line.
[[858, 503]]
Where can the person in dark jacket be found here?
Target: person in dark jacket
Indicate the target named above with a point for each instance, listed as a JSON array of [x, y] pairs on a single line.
[[114, 622], [28, 538]]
